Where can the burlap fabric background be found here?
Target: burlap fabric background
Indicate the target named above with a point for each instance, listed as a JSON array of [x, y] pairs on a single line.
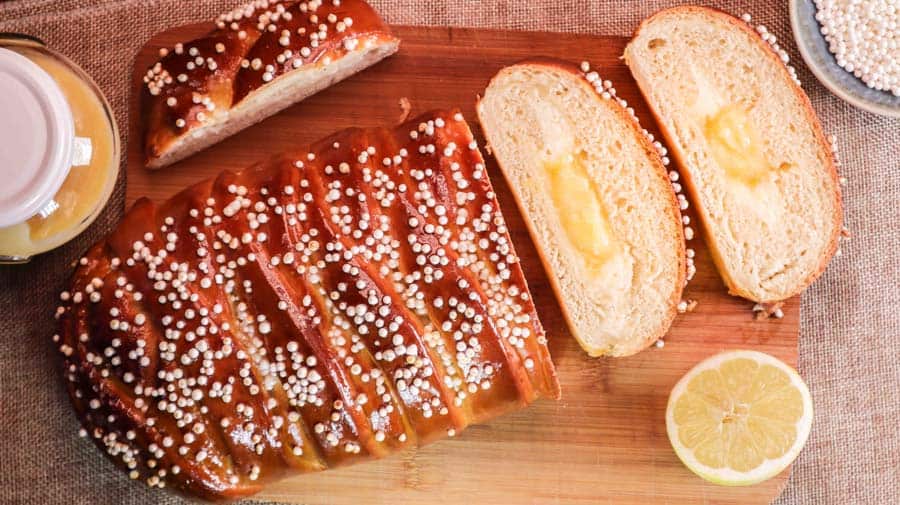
[[850, 323]]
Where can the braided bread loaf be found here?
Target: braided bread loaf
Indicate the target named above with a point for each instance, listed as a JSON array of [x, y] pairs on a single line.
[[335, 303], [260, 58]]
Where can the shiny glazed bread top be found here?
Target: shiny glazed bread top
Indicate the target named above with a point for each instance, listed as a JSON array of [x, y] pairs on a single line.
[[249, 48], [335, 303]]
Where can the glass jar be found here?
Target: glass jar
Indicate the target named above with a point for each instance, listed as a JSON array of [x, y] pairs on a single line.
[[59, 149]]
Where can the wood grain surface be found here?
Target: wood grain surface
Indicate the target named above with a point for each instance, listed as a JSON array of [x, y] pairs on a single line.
[[605, 441]]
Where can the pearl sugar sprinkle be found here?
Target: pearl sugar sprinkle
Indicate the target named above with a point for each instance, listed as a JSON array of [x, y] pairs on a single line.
[[772, 40], [606, 91], [864, 37]]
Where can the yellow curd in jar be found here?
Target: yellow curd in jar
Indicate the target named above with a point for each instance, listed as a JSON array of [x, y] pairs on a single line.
[[94, 165]]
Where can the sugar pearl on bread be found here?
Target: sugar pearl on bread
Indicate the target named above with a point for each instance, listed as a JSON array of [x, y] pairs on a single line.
[[772, 41], [217, 243], [193, 64], [607, 91]]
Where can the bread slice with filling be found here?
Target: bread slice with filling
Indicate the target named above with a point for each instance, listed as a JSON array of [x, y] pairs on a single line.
[[596, 198], [750, 148]]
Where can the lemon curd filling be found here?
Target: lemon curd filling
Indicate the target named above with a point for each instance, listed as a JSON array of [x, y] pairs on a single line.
[[736, 147], [580, 211]]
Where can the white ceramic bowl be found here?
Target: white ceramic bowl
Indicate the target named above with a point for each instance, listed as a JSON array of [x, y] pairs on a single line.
[[814, 50]]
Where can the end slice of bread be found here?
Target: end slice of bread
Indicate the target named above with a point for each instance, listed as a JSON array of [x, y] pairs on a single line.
[[596, 198], [265, 101], [281, 93], [750, 148]]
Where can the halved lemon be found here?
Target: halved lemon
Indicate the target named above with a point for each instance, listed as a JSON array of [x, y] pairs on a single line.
[[739, 418]]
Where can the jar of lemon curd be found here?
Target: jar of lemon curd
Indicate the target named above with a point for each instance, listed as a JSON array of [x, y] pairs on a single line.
[[59, 149]]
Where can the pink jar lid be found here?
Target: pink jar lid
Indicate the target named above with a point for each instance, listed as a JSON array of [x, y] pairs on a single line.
[[37, 133]]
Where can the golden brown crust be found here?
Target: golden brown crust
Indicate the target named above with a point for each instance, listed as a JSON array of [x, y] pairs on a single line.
[[250, 48], [812, 119], [333, 304], [660, 171]]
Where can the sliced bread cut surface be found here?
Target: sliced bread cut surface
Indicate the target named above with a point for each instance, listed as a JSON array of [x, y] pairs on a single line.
[[258, 59], [597, 201], [749, 145]]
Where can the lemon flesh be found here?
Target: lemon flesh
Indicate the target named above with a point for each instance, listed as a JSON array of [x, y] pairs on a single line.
[[739, 418]]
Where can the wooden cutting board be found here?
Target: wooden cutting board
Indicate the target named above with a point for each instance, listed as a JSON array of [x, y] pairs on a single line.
[[605, 441]]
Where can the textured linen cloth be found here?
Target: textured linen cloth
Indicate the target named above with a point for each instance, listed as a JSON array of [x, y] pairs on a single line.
[[849, 318]]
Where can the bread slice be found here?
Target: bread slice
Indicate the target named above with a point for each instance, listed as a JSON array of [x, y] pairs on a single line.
[[596, 198], [289, 89], [257, 59], [750, 148]]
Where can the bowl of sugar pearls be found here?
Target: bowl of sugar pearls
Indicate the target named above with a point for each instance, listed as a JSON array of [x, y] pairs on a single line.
[[853, 48]]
